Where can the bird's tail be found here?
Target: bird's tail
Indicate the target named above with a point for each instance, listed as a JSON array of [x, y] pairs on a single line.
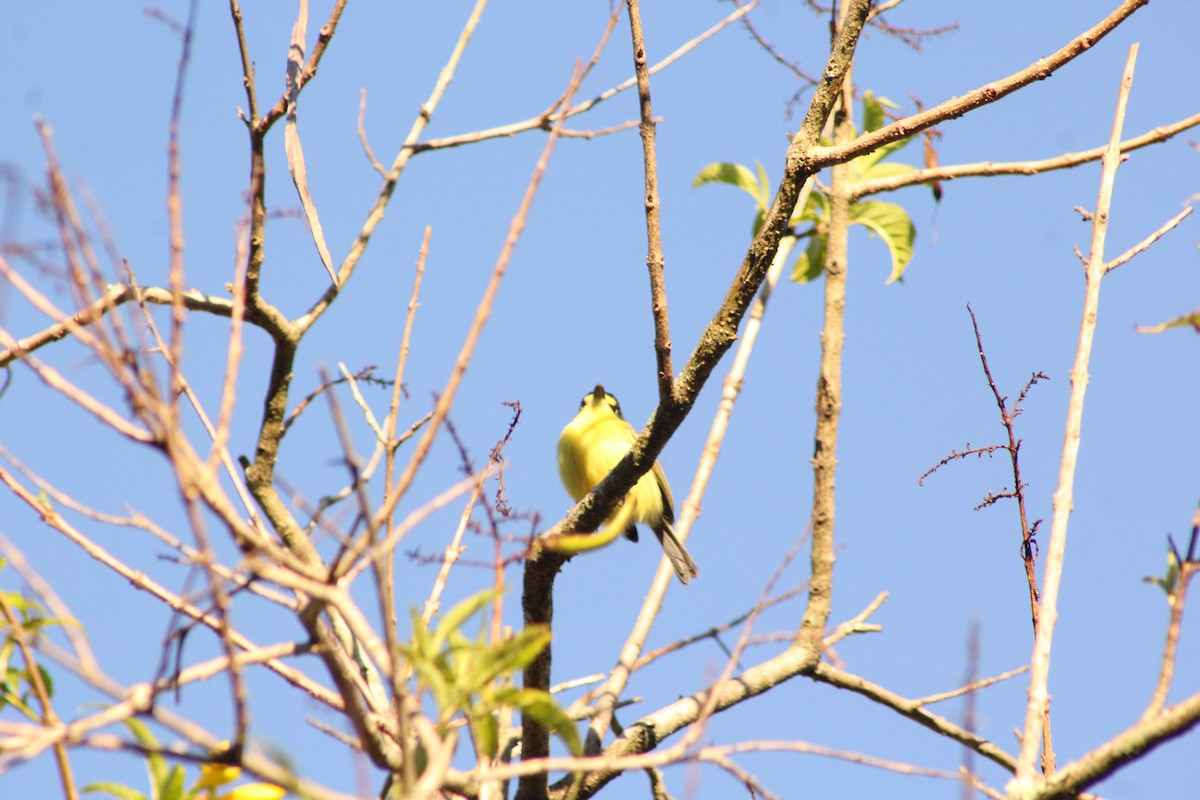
[[685, 568]]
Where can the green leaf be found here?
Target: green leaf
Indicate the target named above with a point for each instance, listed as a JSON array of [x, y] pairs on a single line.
[[1191, 320], [422, 644], [117, 790], [865, 164], [47, 680], [27, 607], [513, 654], [172, 787], [541, 706], [811, 261], [581, 542], [156, 765], [486, 731], [891, 223], [432, 675], [1170, 581], [872, 116], [461, 612], [143, 735], [764, 186], [887, 169], [11, 694], [816, 209], [732, 174]]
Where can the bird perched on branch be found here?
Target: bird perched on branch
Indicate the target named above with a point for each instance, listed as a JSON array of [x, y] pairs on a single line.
[[595, 442]]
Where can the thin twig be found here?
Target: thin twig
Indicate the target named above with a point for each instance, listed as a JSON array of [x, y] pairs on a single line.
[[914, 710], [1008, 419], [385, 571], [291, 139], [716, 630], [971, 686], [175, 269], [1149, 240], [541, 121], [770, 50], [75, 635], [362, 135], [829, 752]]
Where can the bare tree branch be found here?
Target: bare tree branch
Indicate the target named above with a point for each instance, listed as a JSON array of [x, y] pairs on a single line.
[[1039, 697]]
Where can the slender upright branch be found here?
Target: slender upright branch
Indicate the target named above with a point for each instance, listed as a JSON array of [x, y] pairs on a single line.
[[1039, 695], [387, 570], [589, 512], [654, 254], [720, 334], [175, 219], [829, 389]]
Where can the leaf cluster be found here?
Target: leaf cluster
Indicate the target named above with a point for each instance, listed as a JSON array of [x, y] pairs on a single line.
[[16, 685], [167, 782], [888, 221], [471, 679]]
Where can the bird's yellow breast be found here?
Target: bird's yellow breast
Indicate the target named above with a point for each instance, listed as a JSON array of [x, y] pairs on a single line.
[[595, 442]]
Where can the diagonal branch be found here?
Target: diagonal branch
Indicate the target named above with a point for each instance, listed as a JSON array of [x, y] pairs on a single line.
[[375, 214], [1128, 746], [990, 168], [985, 95], [309, 71]]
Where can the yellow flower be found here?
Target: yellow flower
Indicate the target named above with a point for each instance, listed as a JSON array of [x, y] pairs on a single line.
[[215, 773], [255, 791], [212, 775]]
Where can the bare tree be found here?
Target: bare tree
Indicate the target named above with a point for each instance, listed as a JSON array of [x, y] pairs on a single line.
[[434, 708]]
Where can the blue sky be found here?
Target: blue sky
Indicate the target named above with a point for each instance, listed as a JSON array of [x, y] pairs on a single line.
[[574, 311]]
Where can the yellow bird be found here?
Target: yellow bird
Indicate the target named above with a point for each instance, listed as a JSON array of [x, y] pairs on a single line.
[[595, 442]]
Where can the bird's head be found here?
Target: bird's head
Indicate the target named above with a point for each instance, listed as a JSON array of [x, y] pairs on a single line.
[[600, 401]]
